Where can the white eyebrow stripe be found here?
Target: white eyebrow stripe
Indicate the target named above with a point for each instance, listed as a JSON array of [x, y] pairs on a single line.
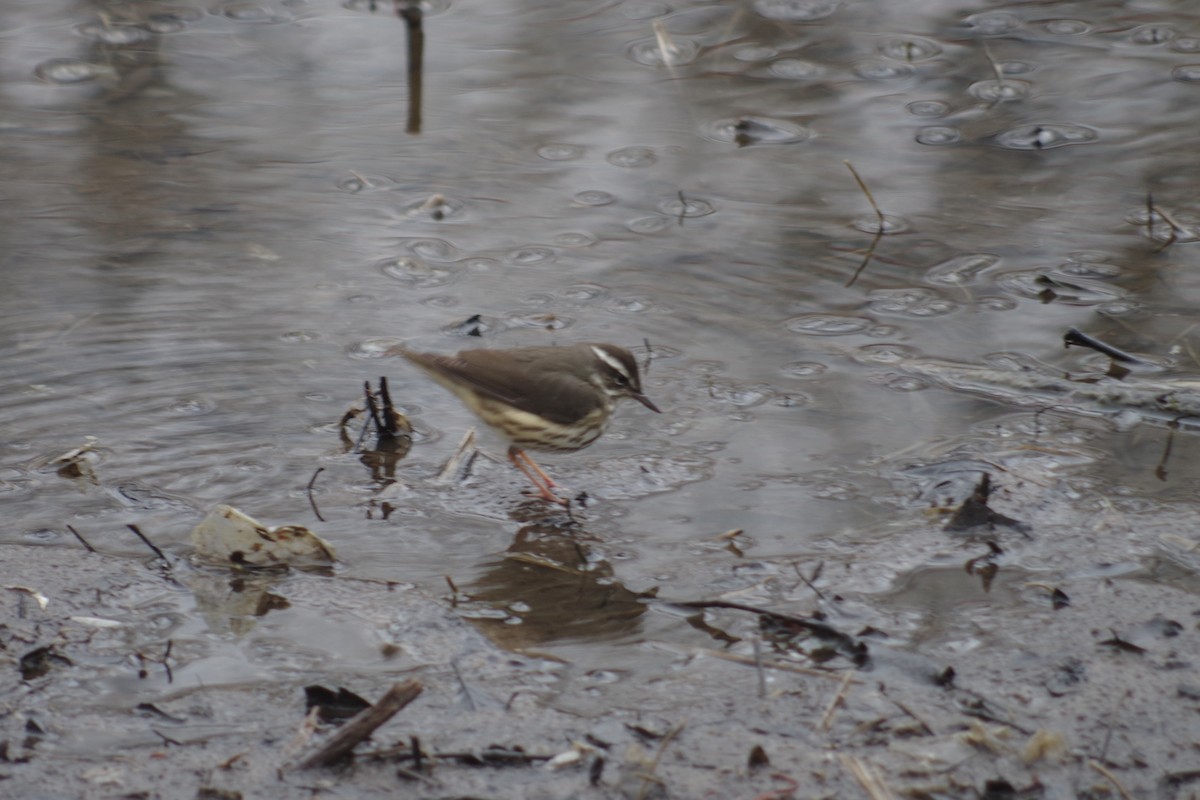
[[612, 362]]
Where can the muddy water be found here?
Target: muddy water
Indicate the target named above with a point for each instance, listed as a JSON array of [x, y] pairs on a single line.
[[216, 224]]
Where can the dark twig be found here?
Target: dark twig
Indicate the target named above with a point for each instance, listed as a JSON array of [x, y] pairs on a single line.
[[1076, 337], [466, 690], [878, 233], [413, 17], [312, 501], [147, 542], [363, 725], [1172, 226], [809, 581], [82, 540]]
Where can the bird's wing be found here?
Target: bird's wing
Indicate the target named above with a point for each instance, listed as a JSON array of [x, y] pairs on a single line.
[[505, 376]]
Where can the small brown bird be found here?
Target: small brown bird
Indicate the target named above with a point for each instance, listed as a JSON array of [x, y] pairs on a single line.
[[543, 398]]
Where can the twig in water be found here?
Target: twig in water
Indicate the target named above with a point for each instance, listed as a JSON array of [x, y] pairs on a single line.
[[1111, 720], [309, 491], [466, 690], [878, 233], [756, 643], [363, 725], [82, 540], [649, 778], [1103, 770], [410, 12], [150, 544], [838, 698], [866, 777], [809, 581], [995, 65], [1076, 337], [1172, 226]]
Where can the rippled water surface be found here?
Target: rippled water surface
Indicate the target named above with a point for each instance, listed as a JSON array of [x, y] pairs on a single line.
[[216, 224]]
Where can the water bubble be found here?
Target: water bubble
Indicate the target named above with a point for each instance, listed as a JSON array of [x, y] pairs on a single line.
[[928, 108], [575, 239], [479, 263], [993, 23], [686, 207], [632, 157], [827, 324], [745, 131], [883, 70], [870, 223], [905, 383], [917, 303], [1119, 308], [594, 197], [1016, 67], [192, 406], [113, 34], [584, 292], [739, 395], [1186, 44], [649, 224], [754, 53], [441, 301], [1152, 34], [961, 270], [436, 207], [999, 91], [889, 353], [1045, 136], [172, 22], [1187, 73], [1090, 269], [415, 273], [795, 69], [671, 52], [803, 369], [796, 10], [938, 135], [70, 70], [910, 50], [432, 249], [1066, 27], [560, 152], [531, 255], [253, 14], [355, 183], [544, 321], [632, 304], [371, 348], [996, 303]]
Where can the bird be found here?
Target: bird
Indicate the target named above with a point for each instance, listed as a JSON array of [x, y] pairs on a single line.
[[542, 398]]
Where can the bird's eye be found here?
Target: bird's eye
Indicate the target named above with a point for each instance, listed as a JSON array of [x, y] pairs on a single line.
[[620, 380]]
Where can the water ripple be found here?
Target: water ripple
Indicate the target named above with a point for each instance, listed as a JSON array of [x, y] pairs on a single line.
[[796, 10], [632, 157], [70, 70], [745, 131], [961, 270], [1046, 136], [828, 324], [916, 303]]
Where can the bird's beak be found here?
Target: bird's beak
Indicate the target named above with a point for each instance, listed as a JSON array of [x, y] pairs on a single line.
[[641, 398]]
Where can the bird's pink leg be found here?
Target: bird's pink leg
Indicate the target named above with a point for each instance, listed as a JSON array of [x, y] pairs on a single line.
[[544, 483]]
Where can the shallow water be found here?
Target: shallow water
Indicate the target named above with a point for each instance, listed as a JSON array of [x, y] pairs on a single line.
[[216, 225]]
